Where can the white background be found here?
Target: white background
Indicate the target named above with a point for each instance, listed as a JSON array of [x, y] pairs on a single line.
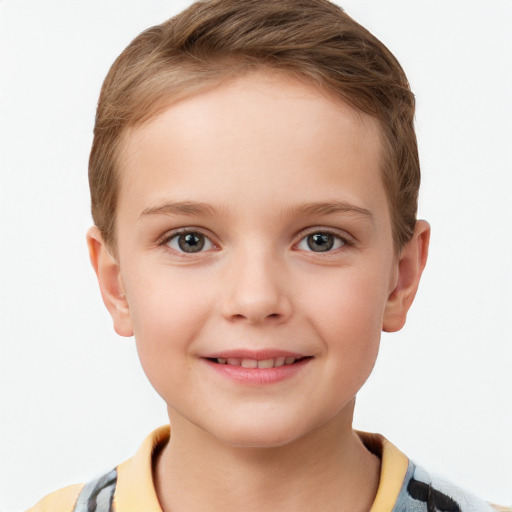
[[73, 399]]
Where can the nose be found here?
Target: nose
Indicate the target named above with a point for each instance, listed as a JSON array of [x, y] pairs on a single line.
[[256, 289]]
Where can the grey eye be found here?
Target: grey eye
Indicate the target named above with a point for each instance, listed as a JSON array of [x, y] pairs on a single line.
[[189, 242], [320, 242]]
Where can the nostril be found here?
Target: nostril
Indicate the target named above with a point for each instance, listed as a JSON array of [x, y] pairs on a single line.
[[238, 317], [255, 308]]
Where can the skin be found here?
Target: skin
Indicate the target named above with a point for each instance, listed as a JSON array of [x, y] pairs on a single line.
[[262, 155]]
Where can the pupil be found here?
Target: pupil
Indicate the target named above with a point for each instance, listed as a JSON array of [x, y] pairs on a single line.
[[320, 242], [191, 242]]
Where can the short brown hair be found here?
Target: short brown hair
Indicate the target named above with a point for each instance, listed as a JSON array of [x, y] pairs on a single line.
[[213, 40]]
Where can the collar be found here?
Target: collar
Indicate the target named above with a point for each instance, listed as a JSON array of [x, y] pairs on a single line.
[[393, 469], [135, 489]]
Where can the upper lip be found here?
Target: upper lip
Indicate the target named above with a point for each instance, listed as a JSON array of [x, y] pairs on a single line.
[[258, 355]]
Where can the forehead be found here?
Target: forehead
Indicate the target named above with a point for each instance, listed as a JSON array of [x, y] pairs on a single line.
[[253, 136]]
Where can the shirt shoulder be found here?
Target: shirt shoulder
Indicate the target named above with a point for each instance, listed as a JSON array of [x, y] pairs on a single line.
[[63, 500], [423, 492], [406, 487], [128, 487]]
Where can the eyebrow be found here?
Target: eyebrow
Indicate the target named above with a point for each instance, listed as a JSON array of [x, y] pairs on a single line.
[[328, 208], [180, 208], [203, 209]]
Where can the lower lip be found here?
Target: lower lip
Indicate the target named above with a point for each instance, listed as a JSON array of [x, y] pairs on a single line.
[[259, 376]]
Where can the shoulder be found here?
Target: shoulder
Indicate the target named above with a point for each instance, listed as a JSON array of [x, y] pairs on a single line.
[[407, 487], [97, 495], [424, 491], [129, 486], [63, 500]]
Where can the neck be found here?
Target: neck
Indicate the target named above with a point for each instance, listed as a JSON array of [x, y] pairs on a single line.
[[329, 469]]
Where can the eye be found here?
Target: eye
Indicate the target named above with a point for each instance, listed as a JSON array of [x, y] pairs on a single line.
[[321, 241], [189, 242]]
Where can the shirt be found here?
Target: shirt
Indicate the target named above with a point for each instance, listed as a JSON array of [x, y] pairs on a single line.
[[403, 486]]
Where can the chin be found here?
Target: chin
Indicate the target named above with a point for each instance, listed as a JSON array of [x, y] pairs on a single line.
[[258, 440], [259, 434]]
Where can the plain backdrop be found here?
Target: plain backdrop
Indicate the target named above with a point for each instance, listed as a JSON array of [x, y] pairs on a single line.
[[73, 399]]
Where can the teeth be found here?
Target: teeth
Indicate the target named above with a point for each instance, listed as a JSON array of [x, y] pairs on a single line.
[[266, 363], [254, 363]]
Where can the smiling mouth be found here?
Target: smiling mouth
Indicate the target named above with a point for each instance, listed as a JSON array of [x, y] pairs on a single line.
[[258, 363]]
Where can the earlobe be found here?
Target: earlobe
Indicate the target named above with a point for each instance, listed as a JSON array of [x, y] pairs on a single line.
[[110, 282], [411, 263]]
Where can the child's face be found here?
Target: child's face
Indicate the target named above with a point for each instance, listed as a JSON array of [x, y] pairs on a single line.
[[253, 224]]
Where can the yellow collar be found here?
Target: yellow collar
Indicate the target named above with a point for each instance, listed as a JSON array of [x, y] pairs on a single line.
[[135, 489], [392, 470]]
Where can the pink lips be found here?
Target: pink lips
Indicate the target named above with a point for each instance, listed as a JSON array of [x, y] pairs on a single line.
[[257, 367]]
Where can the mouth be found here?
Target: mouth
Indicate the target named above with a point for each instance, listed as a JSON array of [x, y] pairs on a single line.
[[246, 362], [257, 368]]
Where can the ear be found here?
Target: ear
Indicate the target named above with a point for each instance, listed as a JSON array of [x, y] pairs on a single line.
[[411, 263], [110, 281]]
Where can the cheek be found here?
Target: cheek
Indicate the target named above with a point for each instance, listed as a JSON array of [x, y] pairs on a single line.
[[349, 302], [164, 303], [167, 313], [348, 317]]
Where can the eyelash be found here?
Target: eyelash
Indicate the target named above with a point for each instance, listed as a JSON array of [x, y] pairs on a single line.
[[345, 241], [166, 239]]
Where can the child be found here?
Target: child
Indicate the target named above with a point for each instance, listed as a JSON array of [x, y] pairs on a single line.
[[254, 179]]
